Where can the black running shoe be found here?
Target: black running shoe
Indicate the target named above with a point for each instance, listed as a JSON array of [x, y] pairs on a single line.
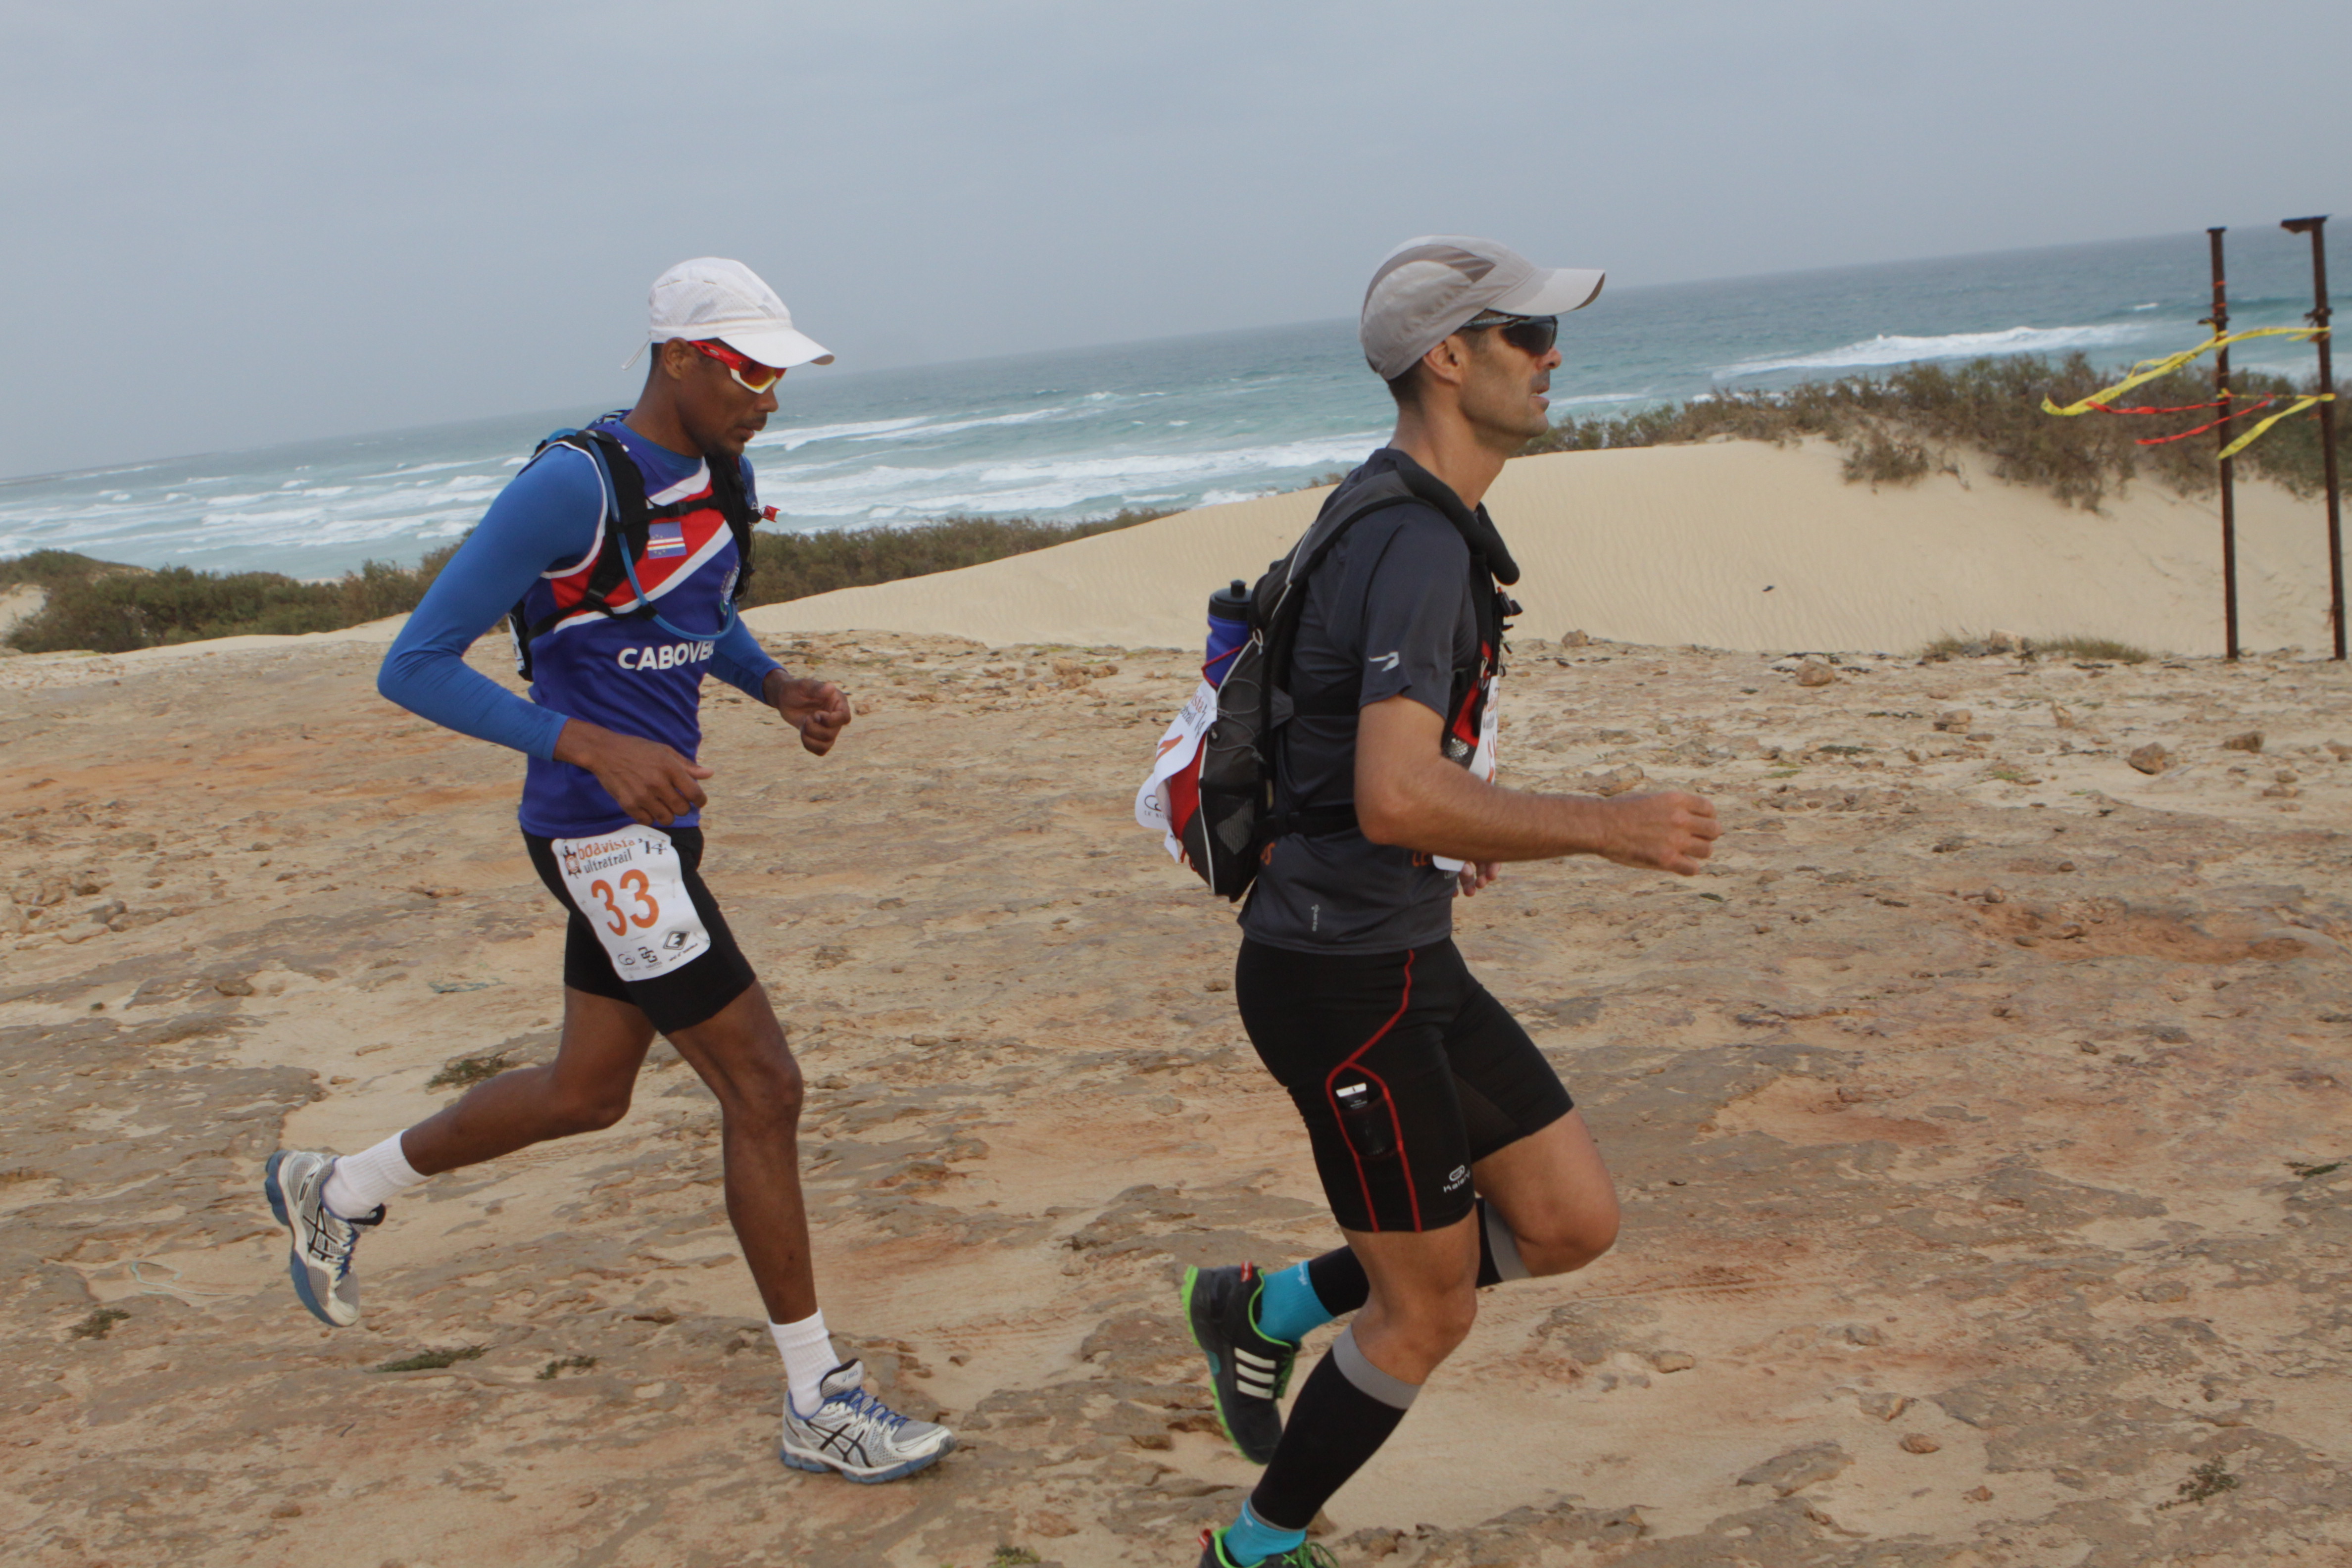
[[1247, 1371], [1306, 1554]]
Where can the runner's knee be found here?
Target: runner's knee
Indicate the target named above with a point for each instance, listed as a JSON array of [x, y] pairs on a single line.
[[768, 1095], [1562, 1240], [1436, 1321], [588, 1111]]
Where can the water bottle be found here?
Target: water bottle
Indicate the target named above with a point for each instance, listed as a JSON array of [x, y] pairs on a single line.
[[1228, 629]]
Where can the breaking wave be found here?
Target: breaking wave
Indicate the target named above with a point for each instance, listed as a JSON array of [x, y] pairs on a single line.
[[1887, 348]]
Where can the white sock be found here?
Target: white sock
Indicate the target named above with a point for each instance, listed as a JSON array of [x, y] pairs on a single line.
[[808, 1356], [362, 1183]]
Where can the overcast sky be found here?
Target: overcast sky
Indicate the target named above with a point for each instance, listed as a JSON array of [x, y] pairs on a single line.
[[242, 223]]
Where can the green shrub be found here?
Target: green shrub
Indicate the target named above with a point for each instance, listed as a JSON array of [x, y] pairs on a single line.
[[112, 608], [49, 567], [109, 607], [1909, 423]]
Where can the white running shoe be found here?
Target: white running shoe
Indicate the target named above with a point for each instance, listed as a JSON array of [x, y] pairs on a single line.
[[857, 1434], [323, 1240]]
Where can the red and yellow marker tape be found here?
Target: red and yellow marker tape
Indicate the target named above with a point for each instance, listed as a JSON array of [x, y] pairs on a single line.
[[2151, 369]]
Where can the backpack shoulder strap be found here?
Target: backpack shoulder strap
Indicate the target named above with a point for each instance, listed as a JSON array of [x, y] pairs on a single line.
[[624, 523], [1376, 495], [727, 489]]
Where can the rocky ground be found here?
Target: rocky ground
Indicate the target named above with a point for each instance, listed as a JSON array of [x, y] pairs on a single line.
[[1981, 1119]]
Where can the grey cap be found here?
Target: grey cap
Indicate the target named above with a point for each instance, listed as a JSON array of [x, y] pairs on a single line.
[[1424, 290]]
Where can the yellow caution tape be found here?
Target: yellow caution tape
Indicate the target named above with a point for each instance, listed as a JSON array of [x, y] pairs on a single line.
[[2150, 369], [2249, 438]]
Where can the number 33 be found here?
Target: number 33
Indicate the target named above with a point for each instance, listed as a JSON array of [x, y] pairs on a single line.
[[635, 881]]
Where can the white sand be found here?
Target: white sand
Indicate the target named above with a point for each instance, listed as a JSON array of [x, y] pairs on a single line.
[[1735, 545]]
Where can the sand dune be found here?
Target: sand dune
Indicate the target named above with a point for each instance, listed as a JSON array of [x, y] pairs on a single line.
[[1734, 545]]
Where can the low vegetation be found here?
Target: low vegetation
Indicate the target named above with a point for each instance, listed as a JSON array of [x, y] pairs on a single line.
[[468, 1071], [2105, 650], [107, 607], [100, 1323], [1919, 420], [431, 1361]]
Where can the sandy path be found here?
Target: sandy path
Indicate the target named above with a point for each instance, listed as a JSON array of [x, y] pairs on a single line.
[[1964, 1104]]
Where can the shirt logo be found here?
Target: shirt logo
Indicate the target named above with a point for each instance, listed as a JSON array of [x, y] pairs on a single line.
[[1455, 1177], [665, 655], [1383, 662], [665, 538]]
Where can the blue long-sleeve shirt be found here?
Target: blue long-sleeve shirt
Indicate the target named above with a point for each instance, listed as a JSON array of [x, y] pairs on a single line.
[[539, 536]]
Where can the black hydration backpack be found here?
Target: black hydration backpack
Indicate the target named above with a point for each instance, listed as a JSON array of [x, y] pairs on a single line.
[[1231, 833], [624, 534]]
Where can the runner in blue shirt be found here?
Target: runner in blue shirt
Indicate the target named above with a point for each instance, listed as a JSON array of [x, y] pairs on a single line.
[[616, 556]]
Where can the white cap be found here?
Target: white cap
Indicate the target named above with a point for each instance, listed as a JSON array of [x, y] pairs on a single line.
[[1426, 289], [711, 297]]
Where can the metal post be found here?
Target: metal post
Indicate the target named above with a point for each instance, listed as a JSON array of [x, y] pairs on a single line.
[[2314, 227], [2219, 322]]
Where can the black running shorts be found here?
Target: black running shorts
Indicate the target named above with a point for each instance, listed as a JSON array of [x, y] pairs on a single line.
[[1405, 1070], [678, 999]]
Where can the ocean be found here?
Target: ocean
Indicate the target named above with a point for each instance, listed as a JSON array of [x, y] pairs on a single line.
[[1174, 423]]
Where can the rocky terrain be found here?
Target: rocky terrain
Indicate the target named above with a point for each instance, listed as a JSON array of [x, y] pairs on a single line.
[[1981, 1118]]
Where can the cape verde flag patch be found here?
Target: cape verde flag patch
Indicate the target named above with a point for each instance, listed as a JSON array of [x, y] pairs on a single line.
[[665, 538]]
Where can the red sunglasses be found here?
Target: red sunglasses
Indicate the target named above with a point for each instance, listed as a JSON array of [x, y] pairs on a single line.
[[749, 374]]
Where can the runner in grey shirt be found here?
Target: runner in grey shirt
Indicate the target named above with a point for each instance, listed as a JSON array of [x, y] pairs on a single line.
[[1450, 1150]]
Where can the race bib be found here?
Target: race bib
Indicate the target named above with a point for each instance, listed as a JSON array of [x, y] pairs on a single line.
[[1171, 790], [632, 888], [1482, 760]]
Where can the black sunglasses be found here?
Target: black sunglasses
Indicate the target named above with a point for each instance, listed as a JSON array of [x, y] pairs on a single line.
[[1531, 335]]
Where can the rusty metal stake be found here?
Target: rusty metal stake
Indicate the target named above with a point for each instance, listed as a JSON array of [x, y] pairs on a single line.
[[2314, 227], [2220, 323]]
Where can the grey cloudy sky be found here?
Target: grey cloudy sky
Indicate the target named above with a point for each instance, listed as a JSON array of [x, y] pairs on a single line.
[[248, 222]]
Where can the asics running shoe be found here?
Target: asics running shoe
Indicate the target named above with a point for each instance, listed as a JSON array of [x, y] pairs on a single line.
[[323, 1240], [1247, 1371], [857, 1434], [1306, 1554]]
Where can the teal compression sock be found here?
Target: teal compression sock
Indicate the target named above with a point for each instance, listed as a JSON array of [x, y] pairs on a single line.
[[1251, 1540], [1287, 1306]]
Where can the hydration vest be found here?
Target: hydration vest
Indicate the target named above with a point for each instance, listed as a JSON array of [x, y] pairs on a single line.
[[1211, 791], [624, 535]]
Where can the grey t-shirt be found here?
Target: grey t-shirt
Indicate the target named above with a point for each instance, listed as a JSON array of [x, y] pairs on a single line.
[[1390, 605]]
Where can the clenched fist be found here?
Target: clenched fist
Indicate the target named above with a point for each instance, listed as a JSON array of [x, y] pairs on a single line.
[[1671, 831]]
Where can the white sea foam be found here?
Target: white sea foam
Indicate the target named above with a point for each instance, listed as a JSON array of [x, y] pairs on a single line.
[[1894, 350], [1047, 483], [794, 438], [917, 432], [411, 470]]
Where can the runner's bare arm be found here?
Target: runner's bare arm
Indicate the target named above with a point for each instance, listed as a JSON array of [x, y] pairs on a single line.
[[1407, 793], [652, 783], [817, 709]]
